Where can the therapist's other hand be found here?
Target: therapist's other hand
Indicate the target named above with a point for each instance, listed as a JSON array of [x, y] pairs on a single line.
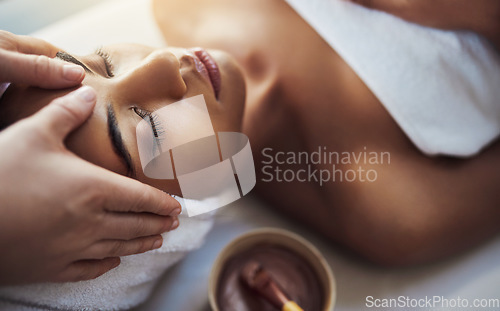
[[481, 16], [28, 60], [62, 218]]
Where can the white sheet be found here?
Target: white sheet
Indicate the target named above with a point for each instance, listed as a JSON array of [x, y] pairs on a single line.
[[184, 288]]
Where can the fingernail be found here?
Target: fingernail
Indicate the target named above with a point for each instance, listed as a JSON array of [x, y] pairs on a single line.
[[72, 72], [157, 243], [86, 94], [175, 212], [175, 224]]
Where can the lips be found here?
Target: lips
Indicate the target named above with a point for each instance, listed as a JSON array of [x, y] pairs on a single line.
[[208, 68]]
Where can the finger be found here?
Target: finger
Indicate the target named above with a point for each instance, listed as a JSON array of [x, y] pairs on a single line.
[[118, 248], [26, 44], [127, 226], [64, 114], [87, 269], [38, 70], [133, 196]]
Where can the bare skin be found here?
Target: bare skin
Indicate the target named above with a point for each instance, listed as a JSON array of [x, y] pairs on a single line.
[[420, 208]]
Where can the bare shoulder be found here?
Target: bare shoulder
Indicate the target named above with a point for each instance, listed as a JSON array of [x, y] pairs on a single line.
[[425, 208], [380, 196]]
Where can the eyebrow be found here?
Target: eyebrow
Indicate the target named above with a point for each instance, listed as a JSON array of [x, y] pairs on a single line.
[[113, 129], [117, 141], [71, 59]]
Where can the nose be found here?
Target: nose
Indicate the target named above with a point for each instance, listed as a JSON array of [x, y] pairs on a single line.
[[156, 77]]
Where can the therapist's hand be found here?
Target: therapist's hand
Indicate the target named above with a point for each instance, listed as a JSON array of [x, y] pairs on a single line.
[[481, 16], [28, 60], [62, 218]]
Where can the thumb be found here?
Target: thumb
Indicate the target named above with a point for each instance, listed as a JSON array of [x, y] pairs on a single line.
[[38, 70], [66, 113]]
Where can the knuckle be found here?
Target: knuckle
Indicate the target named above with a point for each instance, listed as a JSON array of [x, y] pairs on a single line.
[[139, 228], [143, 197], [148, 200], [7, 40], [82, 206], [116, 249], [41, 66], [160, 224], [92, 194], [142, 246], [166, 224]]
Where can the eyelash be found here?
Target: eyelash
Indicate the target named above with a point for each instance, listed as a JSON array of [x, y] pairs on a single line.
[[107, 62], [156, 126]]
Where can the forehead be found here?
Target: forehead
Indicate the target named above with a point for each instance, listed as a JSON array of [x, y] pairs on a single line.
[[126, 56]]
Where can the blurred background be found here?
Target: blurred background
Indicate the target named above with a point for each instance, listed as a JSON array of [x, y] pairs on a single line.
[[26, 16]]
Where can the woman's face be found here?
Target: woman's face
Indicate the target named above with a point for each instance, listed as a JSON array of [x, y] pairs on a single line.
[[132, 80]]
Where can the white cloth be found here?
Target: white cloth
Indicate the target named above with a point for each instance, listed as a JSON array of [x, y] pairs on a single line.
[[121, 288], [441, 87]]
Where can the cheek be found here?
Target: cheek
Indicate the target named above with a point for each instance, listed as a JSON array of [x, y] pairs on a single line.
[[233, 93]]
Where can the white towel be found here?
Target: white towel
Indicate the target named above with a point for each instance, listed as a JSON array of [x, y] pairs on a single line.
[[441, 87], [124, 287]]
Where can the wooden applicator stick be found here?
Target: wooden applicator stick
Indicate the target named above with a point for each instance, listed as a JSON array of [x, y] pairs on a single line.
[[259, 280]]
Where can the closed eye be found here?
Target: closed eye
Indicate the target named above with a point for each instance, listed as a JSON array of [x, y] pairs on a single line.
[[107, 61], [155, 125], [105, 67]]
